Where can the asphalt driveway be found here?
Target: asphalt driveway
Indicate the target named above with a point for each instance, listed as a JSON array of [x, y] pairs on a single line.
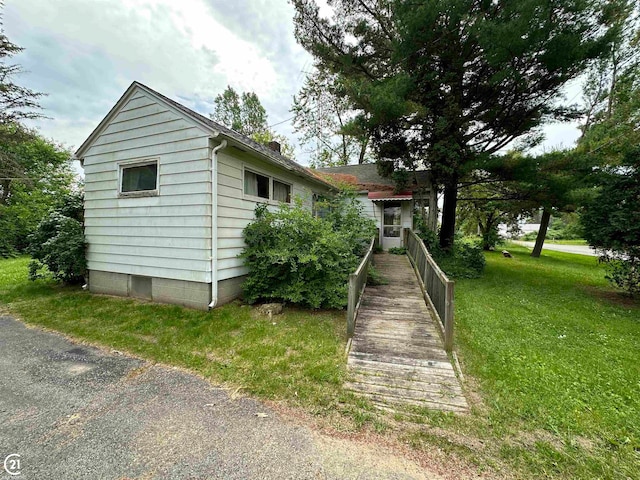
[[72, 411], [575, 249]]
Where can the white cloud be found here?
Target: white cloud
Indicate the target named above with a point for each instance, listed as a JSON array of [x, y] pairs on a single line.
[[84, 54]]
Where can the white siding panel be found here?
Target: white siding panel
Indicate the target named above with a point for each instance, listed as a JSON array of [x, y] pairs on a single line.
[[187, 166], [173, 211], [140, 142], [159, 201], [151, 221], [102, 176], [97, 186], [104, 163], [161, 262], [137, 102], [235, 212], [146, 251], [151, 252], [232, 252], [143, 112], [370, 209], [159, 149], [149, 231], [162, 272], [181, 243], [201, 176], [154, 129], [151, 119], [226, 273], [168, 235]]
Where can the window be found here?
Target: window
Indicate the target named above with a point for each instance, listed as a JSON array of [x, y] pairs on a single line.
[[281, 192], [262, 186], [391, 221], [139, 177], [256, 185]]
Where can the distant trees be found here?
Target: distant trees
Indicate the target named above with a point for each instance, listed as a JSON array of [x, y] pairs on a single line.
[[40, 174], [245, 114], [448, 83]]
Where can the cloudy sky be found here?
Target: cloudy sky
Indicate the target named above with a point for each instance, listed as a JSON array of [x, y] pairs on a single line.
[[85, 53]]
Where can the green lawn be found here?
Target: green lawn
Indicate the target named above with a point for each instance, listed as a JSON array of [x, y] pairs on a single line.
[[297, 356], [554, 354], [550, 355]]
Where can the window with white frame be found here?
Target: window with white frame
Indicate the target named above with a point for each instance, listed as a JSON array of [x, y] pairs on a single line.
[[139, 177], [263, 186]]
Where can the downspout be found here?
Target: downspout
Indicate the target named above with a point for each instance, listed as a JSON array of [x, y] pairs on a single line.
[[214, 223]]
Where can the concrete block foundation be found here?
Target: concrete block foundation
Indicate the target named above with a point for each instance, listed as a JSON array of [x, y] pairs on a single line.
[[164, 290]]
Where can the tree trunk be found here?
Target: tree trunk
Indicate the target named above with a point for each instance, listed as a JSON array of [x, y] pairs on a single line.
[[542, 233], [363, 150], [448, 228], [432, 222]]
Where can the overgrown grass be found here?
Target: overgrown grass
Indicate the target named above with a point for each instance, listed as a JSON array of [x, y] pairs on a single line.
[[554, 354], [297, 356]]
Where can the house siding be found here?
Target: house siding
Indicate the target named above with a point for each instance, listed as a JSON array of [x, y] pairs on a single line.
[[164, 236], [370, 209], [235, 211]]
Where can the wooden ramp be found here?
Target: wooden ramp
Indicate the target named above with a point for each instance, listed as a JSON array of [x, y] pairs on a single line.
[[397, 355]]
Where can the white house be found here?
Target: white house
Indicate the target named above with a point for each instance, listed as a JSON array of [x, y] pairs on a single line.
[[167, 195], [391, 211]]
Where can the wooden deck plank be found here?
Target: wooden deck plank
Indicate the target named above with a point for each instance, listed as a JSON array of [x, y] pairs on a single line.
[[397, 355]]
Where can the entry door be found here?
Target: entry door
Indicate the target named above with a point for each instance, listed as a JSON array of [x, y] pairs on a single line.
[[391, 225]]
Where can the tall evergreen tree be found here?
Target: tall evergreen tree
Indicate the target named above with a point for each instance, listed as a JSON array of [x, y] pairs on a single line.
[[449, 82]]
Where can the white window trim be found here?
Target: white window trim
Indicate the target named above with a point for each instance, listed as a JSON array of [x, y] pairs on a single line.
[[138, 163], [271, 178]]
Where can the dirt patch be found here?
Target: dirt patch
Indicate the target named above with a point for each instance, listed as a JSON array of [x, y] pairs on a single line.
[[613, 297], [435, 462]]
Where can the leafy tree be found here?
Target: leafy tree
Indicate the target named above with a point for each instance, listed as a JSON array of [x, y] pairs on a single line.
[[449, 82], [612, 222], [323, 116], [40, 176], [242, 113], [245, 114]]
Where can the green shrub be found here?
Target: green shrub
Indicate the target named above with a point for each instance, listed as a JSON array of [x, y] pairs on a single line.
[[58, 243], [397, 251], [465, 260], [296, 257]]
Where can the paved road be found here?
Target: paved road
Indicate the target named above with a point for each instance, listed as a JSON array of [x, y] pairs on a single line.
[[73, 412], [577, 249]]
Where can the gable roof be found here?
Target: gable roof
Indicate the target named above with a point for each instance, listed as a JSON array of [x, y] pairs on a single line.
[[233, 138], [366, 176]]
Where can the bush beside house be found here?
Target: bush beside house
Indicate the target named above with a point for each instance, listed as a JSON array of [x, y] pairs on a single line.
[[58, 243], [298, 257]]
